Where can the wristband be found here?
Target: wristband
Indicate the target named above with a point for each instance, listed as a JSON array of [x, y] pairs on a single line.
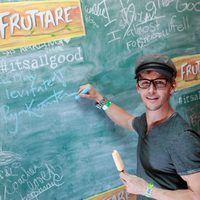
[[104, 104], [101, 103], [149, 189]]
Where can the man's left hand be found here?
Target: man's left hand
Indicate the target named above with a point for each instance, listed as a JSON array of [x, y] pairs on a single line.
[[133, 184]]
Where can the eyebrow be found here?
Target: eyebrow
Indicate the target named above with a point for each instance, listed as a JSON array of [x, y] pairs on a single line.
[[148, 72], [160, 77]]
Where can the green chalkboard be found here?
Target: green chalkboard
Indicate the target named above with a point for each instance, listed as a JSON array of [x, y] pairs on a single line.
[[54, 147]]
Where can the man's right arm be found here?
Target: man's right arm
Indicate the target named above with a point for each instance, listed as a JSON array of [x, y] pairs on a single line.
[[115, 113], [120, 116]]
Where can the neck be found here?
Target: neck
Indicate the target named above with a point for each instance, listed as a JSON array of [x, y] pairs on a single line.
[[158, 116]]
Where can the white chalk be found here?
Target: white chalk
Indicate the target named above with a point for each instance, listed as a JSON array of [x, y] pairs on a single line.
[[84, 91]]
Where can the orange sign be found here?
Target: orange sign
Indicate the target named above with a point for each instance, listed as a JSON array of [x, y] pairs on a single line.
[[188, 68], [117, 194], [29, 23]]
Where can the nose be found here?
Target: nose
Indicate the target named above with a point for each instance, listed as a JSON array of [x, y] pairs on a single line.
[[152, 88]]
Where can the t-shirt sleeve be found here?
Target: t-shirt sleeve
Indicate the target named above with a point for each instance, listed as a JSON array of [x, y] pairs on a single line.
[[185, 152], [139, 124]]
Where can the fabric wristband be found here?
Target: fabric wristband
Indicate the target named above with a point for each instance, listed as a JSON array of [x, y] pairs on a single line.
[[106, 106], [149, 189]]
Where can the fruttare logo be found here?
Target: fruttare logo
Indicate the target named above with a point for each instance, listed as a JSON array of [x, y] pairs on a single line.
[[30, 23], [10, 22], [188, 71]]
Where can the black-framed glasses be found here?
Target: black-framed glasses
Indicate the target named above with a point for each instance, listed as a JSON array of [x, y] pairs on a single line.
[[159, 83]]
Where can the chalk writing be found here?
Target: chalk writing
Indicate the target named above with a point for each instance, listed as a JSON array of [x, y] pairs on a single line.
[[189, 106], [35, 87], [90, 20], [36, 47], [34, 90], [7, 158], [164, 3], [37, 179], [32, 109], [187, 6], [101, 10], [73, 55], [195, 119], [189, 98], [154, 33], [44, 46], [18, 77], [138, 28]]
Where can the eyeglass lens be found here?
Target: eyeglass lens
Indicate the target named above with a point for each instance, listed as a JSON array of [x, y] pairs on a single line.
[[157, 83]]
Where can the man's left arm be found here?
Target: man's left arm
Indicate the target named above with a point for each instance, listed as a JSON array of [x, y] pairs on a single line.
[[192, 193], [138, 186]]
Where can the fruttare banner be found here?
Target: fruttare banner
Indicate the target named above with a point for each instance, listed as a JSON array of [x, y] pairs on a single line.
[[29, 23], [188, 71]]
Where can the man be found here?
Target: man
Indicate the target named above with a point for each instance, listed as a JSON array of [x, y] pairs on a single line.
[[168, 152]]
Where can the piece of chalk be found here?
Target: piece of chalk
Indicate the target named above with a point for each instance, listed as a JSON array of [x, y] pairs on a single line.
[[84, 91], [118, 161]]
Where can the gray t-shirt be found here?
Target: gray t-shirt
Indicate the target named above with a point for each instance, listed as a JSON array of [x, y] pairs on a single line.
[[166, 152]]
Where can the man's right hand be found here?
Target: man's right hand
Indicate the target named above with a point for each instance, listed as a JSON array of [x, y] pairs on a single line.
[[91, 94]]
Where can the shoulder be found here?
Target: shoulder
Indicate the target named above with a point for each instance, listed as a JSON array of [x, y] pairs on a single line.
[[184, 147], [177, 126], [178, 121], [180, 130], [139, 124]]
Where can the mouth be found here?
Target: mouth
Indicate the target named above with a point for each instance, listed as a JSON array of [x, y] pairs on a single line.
[[152, 98]]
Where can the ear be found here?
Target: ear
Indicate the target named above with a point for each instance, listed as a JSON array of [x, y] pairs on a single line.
[[171, 92], [173, 87]]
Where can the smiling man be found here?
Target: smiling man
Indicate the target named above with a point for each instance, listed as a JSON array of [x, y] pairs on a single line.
[[168, 151]]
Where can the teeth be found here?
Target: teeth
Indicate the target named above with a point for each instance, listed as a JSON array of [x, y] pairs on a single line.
[[152, 98]]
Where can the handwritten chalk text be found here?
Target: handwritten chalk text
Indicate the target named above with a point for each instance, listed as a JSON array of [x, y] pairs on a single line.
[[37, 179], [187, 6], [71, 56]]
